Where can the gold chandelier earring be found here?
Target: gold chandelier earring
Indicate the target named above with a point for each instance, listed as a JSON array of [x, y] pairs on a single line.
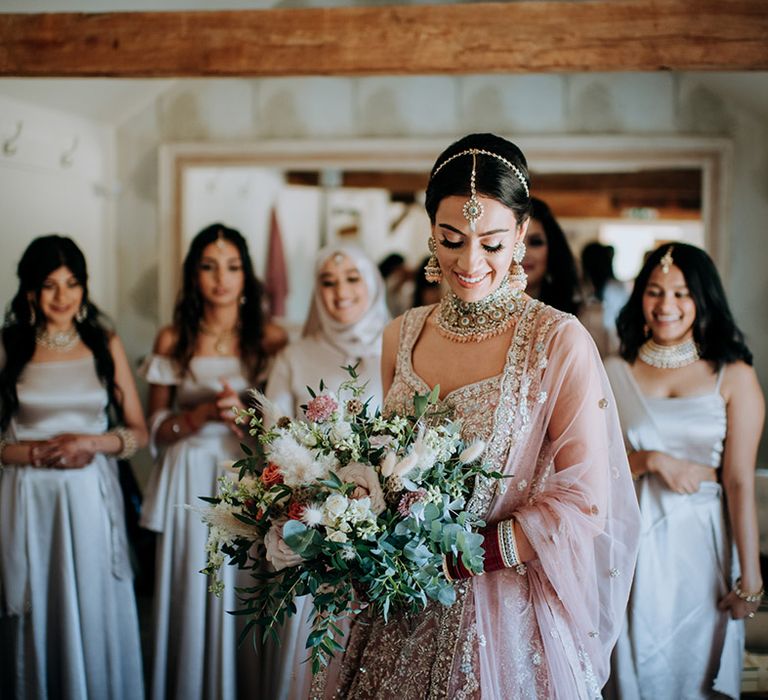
[[432, 271], [517, 276]]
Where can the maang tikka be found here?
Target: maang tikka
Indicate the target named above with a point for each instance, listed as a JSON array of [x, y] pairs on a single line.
[[666, 260], [517, 276], [432, 271], [473, 207]]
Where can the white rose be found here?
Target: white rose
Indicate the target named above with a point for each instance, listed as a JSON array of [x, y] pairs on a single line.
[[335, 505], [279, 554], [359, 509]]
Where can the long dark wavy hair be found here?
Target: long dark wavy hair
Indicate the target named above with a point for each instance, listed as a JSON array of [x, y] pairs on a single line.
[[43, 256], [714, 330], [560, 285], [189, 305], [493, 178]]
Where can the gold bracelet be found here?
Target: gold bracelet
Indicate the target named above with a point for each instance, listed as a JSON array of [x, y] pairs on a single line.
[[747, 597], [508, 546], [127, 440]]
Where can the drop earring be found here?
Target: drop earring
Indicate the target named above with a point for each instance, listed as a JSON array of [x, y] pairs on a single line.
[[32, 314], [82, 314], [242, 300], [432, 271], [517, 277]]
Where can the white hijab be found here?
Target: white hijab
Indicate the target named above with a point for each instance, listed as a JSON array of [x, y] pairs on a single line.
[[362, 338]]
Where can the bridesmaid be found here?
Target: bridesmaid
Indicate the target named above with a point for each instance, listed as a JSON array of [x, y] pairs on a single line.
[[347, 316], [218, 346], [68, 408], [692, 412]]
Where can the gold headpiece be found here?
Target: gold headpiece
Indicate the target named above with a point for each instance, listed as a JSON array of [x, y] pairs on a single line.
[[482, 152], [666, 260], [220, 241]]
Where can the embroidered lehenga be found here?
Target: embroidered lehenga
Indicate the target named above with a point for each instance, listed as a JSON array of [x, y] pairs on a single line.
[[551, 426]]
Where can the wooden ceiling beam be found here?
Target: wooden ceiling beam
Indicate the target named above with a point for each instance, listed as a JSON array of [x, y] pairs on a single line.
[[503, 37]]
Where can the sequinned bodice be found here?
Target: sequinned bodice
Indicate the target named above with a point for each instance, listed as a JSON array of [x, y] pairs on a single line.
[[473, 404]]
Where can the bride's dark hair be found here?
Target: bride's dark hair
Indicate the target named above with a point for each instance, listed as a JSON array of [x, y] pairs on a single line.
[[43, 256], [714, 330], [189, 305], [493, 178]]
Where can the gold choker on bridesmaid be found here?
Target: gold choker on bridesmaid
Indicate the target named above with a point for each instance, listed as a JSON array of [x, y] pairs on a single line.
[[473, 321], [668, 356]]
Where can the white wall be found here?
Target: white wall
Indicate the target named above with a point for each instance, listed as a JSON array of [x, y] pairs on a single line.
[[39, 195], [312, 108]]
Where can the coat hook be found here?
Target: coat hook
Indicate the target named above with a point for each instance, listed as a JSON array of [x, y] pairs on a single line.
[[9, 145], [67, 159]]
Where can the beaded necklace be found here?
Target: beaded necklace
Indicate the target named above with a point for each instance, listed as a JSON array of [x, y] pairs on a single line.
[[668, 356]]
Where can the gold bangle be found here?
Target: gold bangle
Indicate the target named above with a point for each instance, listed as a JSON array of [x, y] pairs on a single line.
[[746, 596], [508, 546]]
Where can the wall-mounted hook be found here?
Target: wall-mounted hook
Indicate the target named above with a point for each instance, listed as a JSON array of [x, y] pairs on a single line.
[[9, 145], [66, 158]]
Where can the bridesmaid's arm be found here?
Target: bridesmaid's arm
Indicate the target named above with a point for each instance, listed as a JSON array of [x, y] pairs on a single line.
[[746, 413], [162, 397], [389, 343]]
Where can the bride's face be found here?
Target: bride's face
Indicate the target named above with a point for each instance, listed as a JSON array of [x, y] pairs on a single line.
[[474, 262], [343, 289]]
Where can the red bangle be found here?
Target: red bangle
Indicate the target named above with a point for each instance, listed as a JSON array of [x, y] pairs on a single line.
[[493, 560]]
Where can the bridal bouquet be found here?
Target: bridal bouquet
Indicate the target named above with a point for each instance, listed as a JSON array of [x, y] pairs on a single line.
[[347, 505]]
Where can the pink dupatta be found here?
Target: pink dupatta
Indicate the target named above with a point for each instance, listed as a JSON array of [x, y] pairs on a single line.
[[572, 495]]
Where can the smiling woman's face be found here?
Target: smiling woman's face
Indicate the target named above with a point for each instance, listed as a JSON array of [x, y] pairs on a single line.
[[342, 289], [474, 262], [668, 307]]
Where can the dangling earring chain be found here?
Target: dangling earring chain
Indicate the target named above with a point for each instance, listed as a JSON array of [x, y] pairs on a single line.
[[432, 271], [473, 321], [668, 356], [518, 277]]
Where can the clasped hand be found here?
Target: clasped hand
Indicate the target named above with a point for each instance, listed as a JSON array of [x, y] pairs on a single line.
[[65, 451], [220, 408]]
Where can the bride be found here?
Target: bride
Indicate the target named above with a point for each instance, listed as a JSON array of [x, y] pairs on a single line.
[[562, 530]]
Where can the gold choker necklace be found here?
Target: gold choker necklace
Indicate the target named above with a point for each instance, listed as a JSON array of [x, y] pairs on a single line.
[[668, 356], [60, 341], [473, 321], [222, 340]]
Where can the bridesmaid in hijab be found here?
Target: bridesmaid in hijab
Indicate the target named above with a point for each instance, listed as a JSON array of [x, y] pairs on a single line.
[[346, 318]]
